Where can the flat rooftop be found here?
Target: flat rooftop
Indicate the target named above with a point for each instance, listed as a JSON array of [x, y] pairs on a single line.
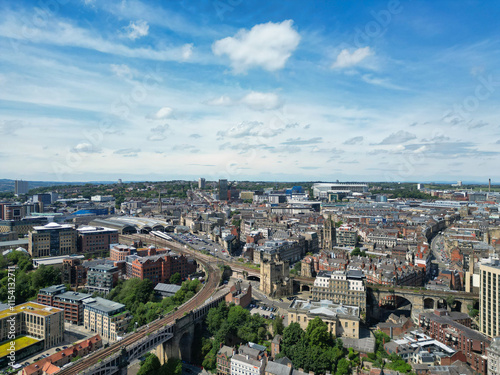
[[55, 260], [21, 342], [73, 296], [103, 305], [31, 307], [53, 289]]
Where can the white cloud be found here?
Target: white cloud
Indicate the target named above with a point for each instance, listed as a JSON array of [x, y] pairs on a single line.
[[258, 101], [137, 29], [158, 133], [398, 138], [261, 101], [162, 114], [250, 129], [221, 101], [345, 59], [9, 127], [187, 51], [354, 140], [85, 148], [128, 152], [121, 70], [267, 45], [63, 33], [380, 82]]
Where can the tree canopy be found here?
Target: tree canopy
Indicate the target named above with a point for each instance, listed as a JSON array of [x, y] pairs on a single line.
[[28, 281], [138, 297], [229, 325]]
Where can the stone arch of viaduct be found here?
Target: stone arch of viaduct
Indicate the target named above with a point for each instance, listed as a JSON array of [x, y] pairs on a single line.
[[426, 299]]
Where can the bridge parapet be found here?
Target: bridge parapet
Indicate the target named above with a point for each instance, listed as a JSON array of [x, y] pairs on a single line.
[[108, 366], [423, 299]]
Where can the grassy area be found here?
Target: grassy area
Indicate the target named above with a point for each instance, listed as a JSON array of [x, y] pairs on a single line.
[[21, 342], [254, 266]]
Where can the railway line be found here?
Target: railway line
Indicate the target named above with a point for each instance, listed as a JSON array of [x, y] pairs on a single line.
[[210, 286], [208, 258]]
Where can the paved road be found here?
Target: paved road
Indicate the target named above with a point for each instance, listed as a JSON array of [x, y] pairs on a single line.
[[439, 253]]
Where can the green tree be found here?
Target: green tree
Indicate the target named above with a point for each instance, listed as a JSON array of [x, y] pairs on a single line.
[[343, 367], [172, 367], [175, 278], [450, 301], [297, 267], [278, 326], [291, 336], [473, 313], [317, 333], [237, 316], [216, 317], [151, 366]]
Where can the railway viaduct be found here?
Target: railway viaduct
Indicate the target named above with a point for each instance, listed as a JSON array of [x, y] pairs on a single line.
[[422, 298], [170, 341]]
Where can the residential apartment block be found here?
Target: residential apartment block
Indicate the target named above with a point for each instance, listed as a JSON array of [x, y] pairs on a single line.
[[73, 272], [347, 236], [453, 329], [71, 302], [489, 298], [107, 318], [101, 278]]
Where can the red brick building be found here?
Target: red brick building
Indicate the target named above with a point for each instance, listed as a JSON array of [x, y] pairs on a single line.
[[53, 363], [159, 268], [395, 325], [73, 272], [240, 295], [70, 302], [453, 329], [118, 253], [224, 360], [95, 239]]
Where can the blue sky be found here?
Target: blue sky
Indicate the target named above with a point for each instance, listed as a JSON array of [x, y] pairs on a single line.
[[260, 90]]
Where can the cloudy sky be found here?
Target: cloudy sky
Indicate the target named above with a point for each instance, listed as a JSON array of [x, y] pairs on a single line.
[[260, 90]]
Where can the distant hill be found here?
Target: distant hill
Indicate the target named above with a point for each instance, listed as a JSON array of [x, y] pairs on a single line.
[[7, 185]]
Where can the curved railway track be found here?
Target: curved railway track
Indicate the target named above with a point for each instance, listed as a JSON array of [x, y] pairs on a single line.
[[210, 286]]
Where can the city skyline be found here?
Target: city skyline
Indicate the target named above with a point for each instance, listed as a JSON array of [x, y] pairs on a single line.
[[387, 91]]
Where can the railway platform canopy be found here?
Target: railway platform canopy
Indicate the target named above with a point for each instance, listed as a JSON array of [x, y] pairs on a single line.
[[130, 225]]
